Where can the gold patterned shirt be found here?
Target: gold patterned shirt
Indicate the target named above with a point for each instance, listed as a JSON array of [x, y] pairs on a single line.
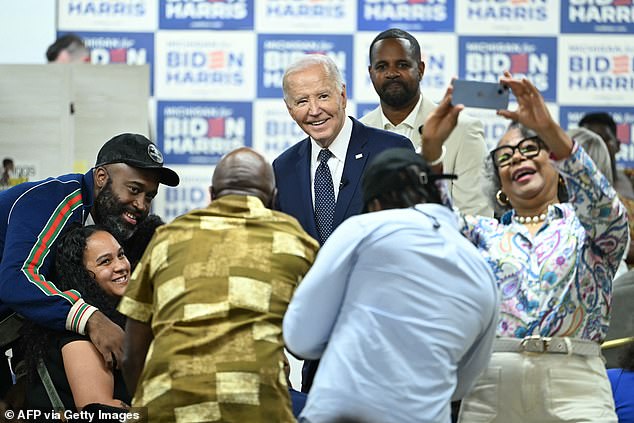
[[214, 285]]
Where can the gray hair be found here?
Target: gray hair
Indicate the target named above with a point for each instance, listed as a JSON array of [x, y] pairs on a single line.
[[593, 144], [329, 66], [491, 185]]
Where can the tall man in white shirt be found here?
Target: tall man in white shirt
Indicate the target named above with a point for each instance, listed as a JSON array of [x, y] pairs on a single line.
[[398, 305], [396, 70]]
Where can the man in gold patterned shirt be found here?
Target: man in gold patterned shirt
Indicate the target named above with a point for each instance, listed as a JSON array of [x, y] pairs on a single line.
[[206, 302]]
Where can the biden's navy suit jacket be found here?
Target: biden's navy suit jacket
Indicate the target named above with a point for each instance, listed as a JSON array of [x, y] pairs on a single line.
[[292, 175]]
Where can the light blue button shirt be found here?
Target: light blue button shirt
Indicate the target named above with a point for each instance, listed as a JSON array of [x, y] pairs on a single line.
[[402, 314]]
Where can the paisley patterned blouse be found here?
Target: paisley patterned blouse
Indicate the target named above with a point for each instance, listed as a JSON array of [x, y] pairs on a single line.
[[559, 282]]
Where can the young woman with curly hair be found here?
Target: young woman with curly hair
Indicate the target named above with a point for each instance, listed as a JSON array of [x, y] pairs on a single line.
[[89, 260]]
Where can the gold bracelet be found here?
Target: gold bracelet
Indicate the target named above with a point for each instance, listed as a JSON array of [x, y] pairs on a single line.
[[615, 343]]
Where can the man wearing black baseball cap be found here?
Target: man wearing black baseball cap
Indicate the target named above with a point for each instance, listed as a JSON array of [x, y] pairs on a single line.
[[136, 151], [127, 166], [400, 282], [116, 193]]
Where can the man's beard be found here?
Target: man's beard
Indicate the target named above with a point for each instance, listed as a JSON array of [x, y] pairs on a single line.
[[108, 212], [396, 98]]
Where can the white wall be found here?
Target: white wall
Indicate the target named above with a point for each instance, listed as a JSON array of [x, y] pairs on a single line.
[[27, 28]]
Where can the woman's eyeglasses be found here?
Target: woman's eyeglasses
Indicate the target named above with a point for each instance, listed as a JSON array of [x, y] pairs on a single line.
[[528, 147]]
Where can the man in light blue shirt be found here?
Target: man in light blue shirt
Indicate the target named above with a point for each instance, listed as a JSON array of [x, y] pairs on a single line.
[[400, 308]]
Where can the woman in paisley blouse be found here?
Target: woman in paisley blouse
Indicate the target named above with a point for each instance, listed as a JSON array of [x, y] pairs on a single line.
[[554, 254]]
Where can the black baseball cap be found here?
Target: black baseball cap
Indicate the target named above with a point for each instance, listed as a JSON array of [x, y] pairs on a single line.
[[137, 151], [381, 176]]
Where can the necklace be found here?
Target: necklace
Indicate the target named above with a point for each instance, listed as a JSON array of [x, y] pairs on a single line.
[[530, 219]]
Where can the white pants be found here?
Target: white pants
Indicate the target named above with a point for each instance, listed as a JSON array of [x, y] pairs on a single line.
[[540, 388]]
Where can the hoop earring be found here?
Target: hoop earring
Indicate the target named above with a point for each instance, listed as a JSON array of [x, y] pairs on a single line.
[[562, 190], [502, 199]]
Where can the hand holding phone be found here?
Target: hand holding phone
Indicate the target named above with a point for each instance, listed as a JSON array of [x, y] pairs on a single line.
[[484, 95]]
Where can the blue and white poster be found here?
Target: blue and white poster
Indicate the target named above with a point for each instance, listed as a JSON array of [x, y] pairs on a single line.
[[503, 17], [205, 14], [624, 118], [106, 15], [410, 15], [216, 61], [305, 16], [486, 59], [202, 132], [277, 52], [191, 193], [127, 48], [596, 70], [205, 65], [598, 16]]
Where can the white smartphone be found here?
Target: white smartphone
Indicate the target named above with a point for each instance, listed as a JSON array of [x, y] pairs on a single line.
[[484, 95]]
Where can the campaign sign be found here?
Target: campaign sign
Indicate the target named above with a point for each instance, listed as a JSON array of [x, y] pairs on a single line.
[[596, 70], [106, 15], [440, 63], [364, 90], [275, 130], [277, 52], [129, 48], [201, 132], [305, 16], [191, 193], [495, 126], [365, 108], [205, 14], [437, 52], [624, 118], [501, 17], [600, 16], [410, 15], [486, 59], [204, 65]]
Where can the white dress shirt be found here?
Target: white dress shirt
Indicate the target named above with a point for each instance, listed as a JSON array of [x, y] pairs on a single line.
[[338, 148], [465, 154], [408, 127]]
